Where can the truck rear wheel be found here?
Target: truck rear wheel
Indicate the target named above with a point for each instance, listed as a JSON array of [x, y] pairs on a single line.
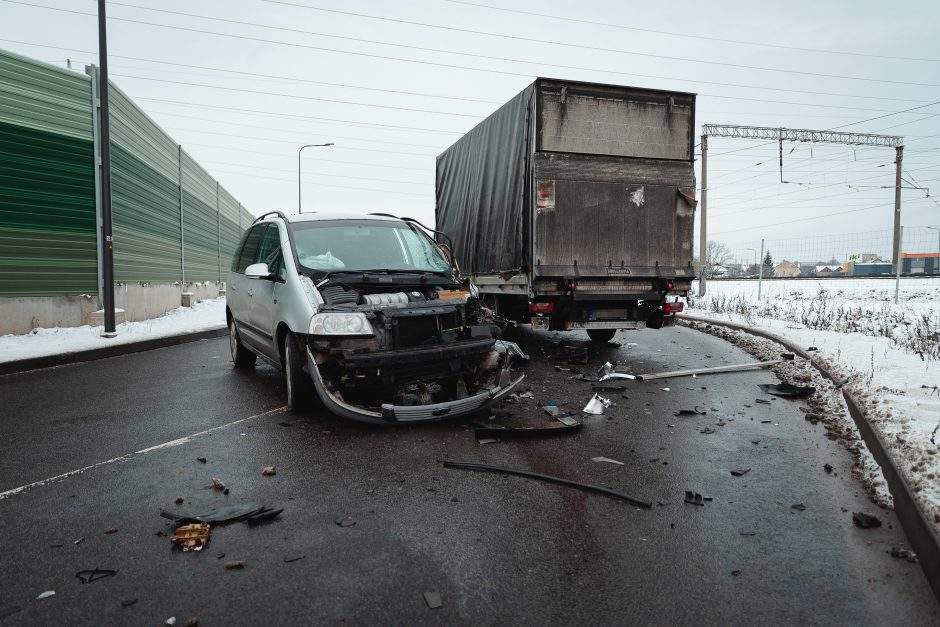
[[601, 336]]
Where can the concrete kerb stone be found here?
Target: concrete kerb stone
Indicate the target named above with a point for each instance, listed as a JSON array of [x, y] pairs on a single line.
[[92, 354], [920, 533]]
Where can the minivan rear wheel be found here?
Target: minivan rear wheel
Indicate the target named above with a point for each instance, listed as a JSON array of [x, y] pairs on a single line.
[[241, 356], [299, 385]]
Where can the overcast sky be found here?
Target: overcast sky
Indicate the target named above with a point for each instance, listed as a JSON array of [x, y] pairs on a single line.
[[314, 71]]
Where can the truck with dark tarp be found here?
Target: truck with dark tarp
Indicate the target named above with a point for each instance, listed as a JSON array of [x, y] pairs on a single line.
[[572, 206]]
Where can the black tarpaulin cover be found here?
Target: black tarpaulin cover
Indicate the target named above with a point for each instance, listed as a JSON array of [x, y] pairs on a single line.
[[481, 189]]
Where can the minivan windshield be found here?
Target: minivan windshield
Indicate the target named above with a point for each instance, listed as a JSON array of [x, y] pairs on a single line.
[[344, 245]]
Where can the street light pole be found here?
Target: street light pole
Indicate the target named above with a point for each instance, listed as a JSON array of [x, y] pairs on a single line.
[[299, 206], [936, 267], [107, 247]]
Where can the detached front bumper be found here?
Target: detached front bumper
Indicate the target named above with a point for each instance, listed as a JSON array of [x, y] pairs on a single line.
[[405, 414]]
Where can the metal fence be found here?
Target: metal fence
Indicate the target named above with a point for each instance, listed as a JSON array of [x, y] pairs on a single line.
[[172, 221]]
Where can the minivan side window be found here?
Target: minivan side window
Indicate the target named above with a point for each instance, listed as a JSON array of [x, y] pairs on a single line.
[[270, 245], [249, 248]]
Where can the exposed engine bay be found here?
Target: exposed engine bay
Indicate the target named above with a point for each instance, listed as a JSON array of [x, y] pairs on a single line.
[[429, 344]]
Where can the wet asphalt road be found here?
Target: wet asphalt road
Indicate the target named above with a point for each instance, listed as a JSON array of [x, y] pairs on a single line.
[[498, 549]]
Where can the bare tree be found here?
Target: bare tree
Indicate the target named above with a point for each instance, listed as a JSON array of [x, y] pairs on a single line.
[[717, 254]]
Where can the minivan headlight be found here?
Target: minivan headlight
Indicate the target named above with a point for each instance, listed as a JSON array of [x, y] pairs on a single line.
[[340, 324]]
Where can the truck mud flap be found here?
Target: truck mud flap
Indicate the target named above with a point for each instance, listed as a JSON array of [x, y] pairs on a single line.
[[406, 414]]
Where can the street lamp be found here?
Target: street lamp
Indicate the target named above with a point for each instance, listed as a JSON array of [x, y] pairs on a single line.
[[936, 267], [299, 209]]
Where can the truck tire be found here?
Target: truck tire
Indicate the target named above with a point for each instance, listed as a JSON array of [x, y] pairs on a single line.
[[601, 336], [299, 386], [241, 356]]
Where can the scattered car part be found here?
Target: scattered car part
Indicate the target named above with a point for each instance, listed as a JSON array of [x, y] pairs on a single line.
[[695, 498], [551, 428], [715, 370], [559, 480], [865, 520], [269, 471], [46, 594], [740, 472], [192, 537], [568, 419], [607, 460], [88, 576], [235, 565], [606, 372], [785, 389], [697, 411], [346, 521], [762, 401], [433, 599], [230, 513], [596, 405], [217, 484]]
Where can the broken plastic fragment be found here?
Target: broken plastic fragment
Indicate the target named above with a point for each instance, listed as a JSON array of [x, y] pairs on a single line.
[[785, 389], [217, 484], [607, 372], [269, 471], [433, 599], [235, 565], [46, 594], [88, 576], [607, 460], [191, 537], [865, 521], [596, 405]]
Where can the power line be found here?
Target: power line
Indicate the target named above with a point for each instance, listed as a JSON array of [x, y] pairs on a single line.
[[595, 48], [461, 67], [296, 96], [294, 143], [293, 157], [291, 115], [689, 35], [290, 170]]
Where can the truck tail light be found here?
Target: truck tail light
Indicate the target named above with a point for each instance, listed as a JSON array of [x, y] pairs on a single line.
[[540, 308], [670, 308]]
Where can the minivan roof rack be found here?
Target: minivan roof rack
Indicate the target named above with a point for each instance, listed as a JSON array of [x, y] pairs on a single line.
[[279, 214]]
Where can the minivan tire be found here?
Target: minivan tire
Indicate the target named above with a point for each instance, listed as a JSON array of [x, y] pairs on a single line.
[[601, 336], [299, 386], [241, 356]]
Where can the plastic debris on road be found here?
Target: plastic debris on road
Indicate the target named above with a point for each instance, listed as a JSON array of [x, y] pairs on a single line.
[[785, 389], [596, 405], [46, 594], [269, 471], [433, 599], [88, 576], [865, 520], [606, 460], [192, 537]]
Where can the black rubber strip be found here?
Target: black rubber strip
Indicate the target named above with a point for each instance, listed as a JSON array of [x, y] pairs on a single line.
[[535, 475]]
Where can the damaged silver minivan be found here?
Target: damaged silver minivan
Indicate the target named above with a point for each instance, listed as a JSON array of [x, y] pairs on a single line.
[[367, 313]]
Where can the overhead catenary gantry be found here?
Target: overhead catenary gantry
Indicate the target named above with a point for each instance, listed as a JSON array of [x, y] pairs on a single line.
[[780, 135]]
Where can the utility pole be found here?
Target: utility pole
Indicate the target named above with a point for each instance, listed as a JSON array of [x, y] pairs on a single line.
[[703, 240], [896, 255], [107, 252]]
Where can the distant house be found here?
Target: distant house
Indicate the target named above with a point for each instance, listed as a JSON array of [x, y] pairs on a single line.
[[807, 270], [828, 270], [787, 269], [718, 271]]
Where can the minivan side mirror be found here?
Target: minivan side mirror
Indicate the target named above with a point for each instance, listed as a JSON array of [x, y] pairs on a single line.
[[258, 271]]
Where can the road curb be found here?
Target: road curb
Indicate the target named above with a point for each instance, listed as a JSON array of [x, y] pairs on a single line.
[[92, 354], [920, 533]]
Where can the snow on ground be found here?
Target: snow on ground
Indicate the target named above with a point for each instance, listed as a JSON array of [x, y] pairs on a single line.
[[203, 316], [889, 353]]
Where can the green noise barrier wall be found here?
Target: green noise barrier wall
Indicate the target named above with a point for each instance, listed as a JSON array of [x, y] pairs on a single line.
[[172, 222]]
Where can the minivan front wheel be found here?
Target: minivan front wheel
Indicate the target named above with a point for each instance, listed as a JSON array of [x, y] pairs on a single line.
[[299, 385], [241, 356]]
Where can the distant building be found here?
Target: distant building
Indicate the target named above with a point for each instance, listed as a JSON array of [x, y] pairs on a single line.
[[787, 269], [920, 263], [871, 269], [828, 270]]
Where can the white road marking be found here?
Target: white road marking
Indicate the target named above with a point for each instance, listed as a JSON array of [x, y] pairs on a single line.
[[122, 458]]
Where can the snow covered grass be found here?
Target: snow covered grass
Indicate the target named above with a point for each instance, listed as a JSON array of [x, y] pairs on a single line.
[[890, 354], [863, 306], [203, 316]]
